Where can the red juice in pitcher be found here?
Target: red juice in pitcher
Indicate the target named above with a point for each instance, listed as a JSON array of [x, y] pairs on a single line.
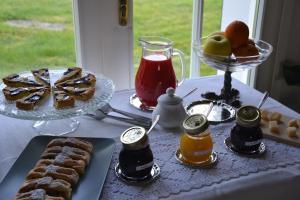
[[154, 76]]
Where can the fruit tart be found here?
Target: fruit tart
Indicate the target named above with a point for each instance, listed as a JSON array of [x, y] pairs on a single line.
[[62, 99], [15, 80], [71, 73], [82, 94], [89, 80], [42, 76], [12, 93], [34, 99]]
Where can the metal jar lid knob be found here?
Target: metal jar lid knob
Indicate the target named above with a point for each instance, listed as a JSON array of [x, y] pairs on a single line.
[[169, 98]]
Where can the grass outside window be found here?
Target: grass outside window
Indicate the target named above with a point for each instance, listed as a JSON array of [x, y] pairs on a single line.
[[28, 48]]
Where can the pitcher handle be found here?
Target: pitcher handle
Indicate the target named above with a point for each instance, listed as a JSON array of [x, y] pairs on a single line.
[[179, 53]]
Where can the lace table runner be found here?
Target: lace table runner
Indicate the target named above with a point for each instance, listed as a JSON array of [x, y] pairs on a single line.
[[176, 178]]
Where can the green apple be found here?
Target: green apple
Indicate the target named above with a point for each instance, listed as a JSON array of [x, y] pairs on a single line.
[[217, 45], [217, 33]]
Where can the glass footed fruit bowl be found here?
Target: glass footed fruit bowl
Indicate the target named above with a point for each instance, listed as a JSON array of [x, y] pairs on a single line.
[[233, 63]]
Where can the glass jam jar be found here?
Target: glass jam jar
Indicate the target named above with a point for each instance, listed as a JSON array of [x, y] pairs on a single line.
[[246, 135], [196, 143], [135, 158]]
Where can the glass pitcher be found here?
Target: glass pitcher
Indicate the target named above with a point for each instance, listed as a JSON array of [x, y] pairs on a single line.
[[156, 73]]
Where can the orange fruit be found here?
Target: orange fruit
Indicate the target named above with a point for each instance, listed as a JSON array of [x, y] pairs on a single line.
[[237, 33], [246, 50], [250, 41]]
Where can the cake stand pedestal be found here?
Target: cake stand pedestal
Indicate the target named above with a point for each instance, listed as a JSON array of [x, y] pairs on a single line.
[[56, 127]]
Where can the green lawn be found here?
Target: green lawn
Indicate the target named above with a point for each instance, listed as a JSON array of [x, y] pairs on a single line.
[[27, 48]]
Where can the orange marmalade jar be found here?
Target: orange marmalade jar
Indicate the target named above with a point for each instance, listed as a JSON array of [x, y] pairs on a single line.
[[196, 143]]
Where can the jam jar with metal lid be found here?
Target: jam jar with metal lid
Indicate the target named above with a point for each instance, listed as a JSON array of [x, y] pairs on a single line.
[[246, 135], [196, 143], [135, 158]]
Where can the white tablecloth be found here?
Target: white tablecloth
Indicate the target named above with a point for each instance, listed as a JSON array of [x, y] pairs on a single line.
[[271, 184]]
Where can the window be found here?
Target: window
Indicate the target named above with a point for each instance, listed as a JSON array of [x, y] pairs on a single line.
[[105, 46]]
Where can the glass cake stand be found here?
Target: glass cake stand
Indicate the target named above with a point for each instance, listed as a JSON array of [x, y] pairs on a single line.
[[52, 121], [230, 64]]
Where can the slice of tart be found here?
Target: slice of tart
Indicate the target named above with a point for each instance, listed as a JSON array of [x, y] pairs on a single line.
[[12, 93], [42, 76], [34, 99], [88, 80], [71, 73], [14, 80], [82, 94], [62, 99]]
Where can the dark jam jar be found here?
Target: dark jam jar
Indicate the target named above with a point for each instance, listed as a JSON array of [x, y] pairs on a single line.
[[246, 135], [135, 158]]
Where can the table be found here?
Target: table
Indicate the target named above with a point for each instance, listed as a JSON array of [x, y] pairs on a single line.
[[276, 182]]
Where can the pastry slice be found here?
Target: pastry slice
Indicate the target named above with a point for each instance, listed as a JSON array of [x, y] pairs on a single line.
[[56, 172], [71, 73], [88, 80], [42, 76], [72, 142], [12, 93], [14, 80], [34, 99], [82, 94], [37, 194], [53, 187], [52, 156], [72, 152], [62, 99], [64, 161]]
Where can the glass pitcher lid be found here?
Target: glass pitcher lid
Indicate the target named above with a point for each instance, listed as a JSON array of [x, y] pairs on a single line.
[[155, 41]]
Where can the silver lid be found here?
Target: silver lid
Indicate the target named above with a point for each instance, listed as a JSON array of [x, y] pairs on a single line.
[[195, 124], [248, 116], [134, 138]]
